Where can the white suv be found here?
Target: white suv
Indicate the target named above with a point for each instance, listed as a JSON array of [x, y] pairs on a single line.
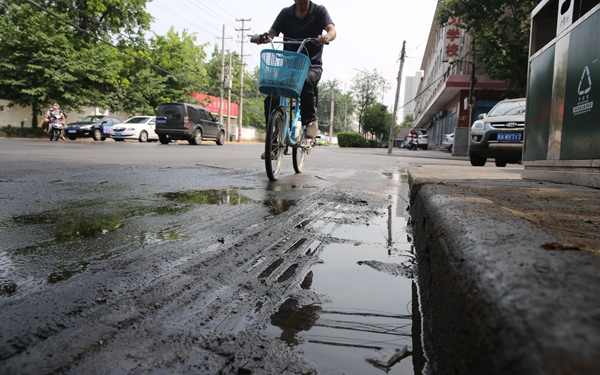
[[422, 139]]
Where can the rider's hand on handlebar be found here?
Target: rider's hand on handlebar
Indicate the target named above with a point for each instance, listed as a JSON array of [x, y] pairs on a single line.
[[260, 39], [322, 39]]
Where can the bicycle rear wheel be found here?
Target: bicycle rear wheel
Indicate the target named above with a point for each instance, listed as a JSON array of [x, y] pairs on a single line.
[[274, 144], [299, 156]]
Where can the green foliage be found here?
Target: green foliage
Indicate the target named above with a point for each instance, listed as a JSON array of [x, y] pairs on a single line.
[[377, 120], [43, 61], [501, 33], [351, 139], [366, 86], [180, 55], [103, 17], [12, 131], [408, 120], [254, 113], [344, 106]]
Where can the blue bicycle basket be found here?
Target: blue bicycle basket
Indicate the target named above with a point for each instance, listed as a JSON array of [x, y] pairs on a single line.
[[282, 73]]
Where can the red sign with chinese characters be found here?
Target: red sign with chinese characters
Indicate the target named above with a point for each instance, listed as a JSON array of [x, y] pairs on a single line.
[[212, 104], [452, 35]]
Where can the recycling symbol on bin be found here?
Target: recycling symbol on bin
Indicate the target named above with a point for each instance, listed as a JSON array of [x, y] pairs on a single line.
[[586, 90]]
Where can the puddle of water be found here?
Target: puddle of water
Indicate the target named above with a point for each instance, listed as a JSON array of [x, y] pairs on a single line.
[[229, 197], [55, 245], [368, 311], [365, 279], [272, 267], [52, 246], [296, 245], [278, 206], [224, 196], [287, 274]]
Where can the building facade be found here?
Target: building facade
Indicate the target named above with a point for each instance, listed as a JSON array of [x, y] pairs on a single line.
[[445, 101], [411, 86]]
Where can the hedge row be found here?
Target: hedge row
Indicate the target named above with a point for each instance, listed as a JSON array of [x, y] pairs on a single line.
[[357, 140], [11, 131]]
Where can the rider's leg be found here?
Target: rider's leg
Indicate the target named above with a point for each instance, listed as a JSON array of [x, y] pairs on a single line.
[[308, 109]]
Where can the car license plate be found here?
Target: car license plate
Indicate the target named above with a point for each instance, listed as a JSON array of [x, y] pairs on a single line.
[[117, 134], [161, 121], [72, 131], [509, 137]]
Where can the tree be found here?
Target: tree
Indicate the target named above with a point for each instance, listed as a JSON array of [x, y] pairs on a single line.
[[408, 120], [43, 61], [140, 88], [343, 107], [377, 119], [501, 33], [254, 101], [184, 62], [103, 17], [365, 88]]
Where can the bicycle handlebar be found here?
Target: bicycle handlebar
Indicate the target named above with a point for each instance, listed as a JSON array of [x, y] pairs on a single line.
[[264, 38]]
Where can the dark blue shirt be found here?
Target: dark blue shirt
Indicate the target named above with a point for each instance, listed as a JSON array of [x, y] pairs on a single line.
[[311, 26]]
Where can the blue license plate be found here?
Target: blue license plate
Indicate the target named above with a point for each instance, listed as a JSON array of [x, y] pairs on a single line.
[[117, 134], [509, 137], [72, 131], [161, 121]]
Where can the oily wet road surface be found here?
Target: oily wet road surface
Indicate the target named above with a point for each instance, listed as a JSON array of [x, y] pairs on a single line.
[[232, 275]]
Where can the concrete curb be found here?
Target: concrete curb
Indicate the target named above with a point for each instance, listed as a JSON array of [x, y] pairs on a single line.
[[493, 301]]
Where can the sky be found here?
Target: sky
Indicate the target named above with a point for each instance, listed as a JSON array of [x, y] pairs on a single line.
[[369, 32]]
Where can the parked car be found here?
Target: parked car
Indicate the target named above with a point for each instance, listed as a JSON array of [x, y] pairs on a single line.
[[138, 127], [322, 142], [499, 134], [404, 142], [185, 121], [95, 126], [422, 137], [448, 142]]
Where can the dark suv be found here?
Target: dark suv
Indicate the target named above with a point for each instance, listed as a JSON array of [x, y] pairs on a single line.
[[499, 134], [184, 121]]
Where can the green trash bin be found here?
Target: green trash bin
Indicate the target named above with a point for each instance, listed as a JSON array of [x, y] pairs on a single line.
[[231, 138]]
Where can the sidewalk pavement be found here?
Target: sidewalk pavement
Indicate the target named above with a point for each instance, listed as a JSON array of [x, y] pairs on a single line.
[[509, 271]]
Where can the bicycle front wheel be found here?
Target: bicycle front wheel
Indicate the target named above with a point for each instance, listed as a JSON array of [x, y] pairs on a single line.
[[274, 145], [299, 156]]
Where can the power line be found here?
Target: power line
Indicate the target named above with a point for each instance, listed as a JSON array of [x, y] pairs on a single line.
[[217, 4], [182, 19], [207, 9]]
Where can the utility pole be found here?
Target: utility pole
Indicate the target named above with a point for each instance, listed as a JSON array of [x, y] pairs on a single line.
[[393, 127], [241, 109], [228, 86], [472, 86], [331, 119], [346, 118], [222, 81], [345, 110]]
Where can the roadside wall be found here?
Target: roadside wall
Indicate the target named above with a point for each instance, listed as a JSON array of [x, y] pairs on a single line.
[[16, 115]]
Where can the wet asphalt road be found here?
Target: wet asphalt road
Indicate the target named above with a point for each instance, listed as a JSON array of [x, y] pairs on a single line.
[[129, 258]]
